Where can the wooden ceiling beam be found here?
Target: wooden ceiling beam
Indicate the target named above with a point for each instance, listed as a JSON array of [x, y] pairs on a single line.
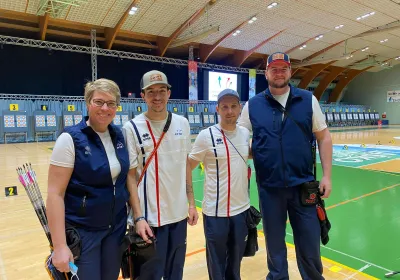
[[43, 23], [163, 43], [111, 33], [325, 81], [240, 56], [322, 51], [343, 82], [299, 45], [346, 79], [207, 50], [315, 70]]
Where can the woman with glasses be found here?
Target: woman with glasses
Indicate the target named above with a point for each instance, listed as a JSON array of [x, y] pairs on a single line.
[[87, 187]]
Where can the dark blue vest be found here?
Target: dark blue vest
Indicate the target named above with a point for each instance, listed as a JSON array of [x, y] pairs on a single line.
[[92, 200], [281, 152]]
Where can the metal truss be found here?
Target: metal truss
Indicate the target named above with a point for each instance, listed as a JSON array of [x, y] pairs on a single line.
[[114, 53], [94, 54], [56, 7], [81, 98]]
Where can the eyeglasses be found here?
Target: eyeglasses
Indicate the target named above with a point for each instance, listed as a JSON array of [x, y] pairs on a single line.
[[100, 103]]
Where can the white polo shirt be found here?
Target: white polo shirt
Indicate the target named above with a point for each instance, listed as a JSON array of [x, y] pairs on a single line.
[[162, 191], [226, 175], [318, 118]]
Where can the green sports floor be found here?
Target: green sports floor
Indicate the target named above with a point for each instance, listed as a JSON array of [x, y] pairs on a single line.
[[364, 210]]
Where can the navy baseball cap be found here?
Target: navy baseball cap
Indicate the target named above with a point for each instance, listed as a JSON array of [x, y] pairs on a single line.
[[228, 92], [278, 57]]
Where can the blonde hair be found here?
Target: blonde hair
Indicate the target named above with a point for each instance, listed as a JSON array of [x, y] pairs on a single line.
[[103, 85]]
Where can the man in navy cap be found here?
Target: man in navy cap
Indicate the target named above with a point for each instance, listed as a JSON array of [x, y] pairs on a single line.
[[284, 121], [224, 150]]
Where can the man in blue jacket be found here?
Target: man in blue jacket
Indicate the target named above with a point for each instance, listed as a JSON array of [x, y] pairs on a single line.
[[282, 153]]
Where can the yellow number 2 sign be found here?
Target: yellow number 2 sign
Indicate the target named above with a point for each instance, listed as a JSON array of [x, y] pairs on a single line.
[[13, 107], [119, 109], [71, 108], [11, 191]]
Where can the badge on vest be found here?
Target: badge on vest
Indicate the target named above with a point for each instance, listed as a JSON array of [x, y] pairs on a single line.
[[119, 145], [146, 137], [87, 151], [178, 132]]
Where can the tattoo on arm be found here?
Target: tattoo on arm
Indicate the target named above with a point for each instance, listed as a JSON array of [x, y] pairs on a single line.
[[189, 188]]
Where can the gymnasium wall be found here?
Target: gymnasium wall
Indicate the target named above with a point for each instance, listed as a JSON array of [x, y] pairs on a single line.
[[27, 70], [371, 89]]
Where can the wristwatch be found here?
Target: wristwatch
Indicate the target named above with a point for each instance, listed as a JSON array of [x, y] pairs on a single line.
[[139, 219]]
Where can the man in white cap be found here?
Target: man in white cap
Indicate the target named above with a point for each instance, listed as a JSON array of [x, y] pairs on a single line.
[[164, 200], [224, 150]]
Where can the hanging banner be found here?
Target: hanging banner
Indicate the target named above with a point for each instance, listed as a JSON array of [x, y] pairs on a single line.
[[252, 83], [192, 80], [393, 96]]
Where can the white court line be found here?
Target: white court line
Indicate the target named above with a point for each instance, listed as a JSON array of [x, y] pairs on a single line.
[[360, 270], [2, 268], [376, 162], [353, 257]]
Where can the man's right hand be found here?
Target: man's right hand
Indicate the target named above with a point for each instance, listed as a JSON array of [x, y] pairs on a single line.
[[61, 257], [144, 230]]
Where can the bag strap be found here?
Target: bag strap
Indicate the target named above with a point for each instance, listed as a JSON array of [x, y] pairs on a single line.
[[231, 144], [245, 162], [286, 113], [165, 129]]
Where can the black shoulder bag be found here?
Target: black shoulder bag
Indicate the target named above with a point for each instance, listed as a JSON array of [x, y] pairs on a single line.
[[253, 216]]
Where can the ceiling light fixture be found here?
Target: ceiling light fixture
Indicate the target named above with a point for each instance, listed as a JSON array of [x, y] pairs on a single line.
[[303, 47], [339, 26], [270, 6], [366, 15], [383, 41], [319, 37], [133, 10], [253, 19], [236, 32]]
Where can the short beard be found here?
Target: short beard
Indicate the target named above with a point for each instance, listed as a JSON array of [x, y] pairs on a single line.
[[274, 85]]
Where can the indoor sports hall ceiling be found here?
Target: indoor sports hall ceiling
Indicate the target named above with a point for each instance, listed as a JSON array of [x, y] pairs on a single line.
[[321, 36]]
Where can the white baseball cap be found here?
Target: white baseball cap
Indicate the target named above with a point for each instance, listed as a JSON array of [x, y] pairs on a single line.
[[153, 77]]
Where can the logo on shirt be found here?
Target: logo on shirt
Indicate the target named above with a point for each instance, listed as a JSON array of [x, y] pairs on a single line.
[[120, 145], [87, 151], [219, 141], [146, 136], [178, 132]]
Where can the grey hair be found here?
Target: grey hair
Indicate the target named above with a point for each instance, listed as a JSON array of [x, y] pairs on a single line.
[[103, 85]]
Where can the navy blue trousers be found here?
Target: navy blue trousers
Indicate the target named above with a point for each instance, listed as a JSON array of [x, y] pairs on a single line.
[[170, 253], [226, 239], [275, 203], [101, 253]]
